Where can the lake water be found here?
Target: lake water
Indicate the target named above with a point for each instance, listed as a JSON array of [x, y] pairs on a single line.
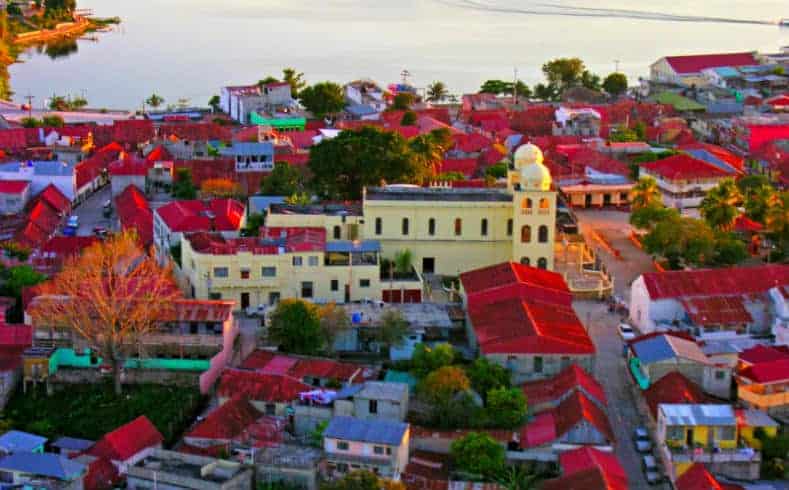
[[189, 48]]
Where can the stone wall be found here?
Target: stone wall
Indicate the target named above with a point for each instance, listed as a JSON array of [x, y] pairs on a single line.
[[130, 376]]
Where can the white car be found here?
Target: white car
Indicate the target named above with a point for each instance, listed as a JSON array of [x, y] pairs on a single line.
[[626, 331], [642, 441], [651, 470], [73, 221]]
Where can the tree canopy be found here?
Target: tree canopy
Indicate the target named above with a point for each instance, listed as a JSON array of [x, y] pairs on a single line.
[[295, 80], [284, 180], [323, 99], [486, 376], [443, 383], [342, 166], [615, 84], [719, 208], [478, 454], [184, 188], [296, 327], [506, 407], [427, 359], [437, 92]]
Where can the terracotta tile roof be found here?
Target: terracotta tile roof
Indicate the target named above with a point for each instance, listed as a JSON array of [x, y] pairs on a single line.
[[674, 387], [525, 310], [683, 166], [572, 378], [13, 186], [260, 387], [697, 477], [127, 440], [199, 310], [716, 282], [688, 64], [227, 421]]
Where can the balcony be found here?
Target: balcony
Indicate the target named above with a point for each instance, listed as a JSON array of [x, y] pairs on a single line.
[[527, 210], [710, 455]]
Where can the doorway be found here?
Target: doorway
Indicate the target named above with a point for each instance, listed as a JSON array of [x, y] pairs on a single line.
[[347, 293], [428, 265], [244, 301], [587, 200]]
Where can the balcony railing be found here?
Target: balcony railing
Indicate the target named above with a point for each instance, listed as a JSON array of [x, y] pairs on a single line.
[[710, 455]]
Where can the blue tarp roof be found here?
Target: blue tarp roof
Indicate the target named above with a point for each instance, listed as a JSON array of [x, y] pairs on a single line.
[[361, 109], [248, 149], [41, 167], [375, 431], [708, 157], [349, 246], [16, 440], [727, 72], [43, 464], [258, 204]]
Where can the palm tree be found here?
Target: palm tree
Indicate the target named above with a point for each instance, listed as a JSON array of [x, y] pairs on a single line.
[[646, 193], [437, 91], [518, 477], [403, 261], [154, 100], [295, 80], [719, 206], [778, 218], [428, 154]]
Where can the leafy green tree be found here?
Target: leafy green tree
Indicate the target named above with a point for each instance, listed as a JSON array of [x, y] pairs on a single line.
[[409, 119], [427, 154], [52, 121], [403, 101], [316, 436], [564, 72], [214, 103], [31, 122], [267, 80], [295, 80], [729, 250], [777, 220], [296, 327], [681, 239], [615, 84], [284, 180], [355, 480], [719, 208], [298, 199], [451, 176], [646, 217], [645, 193], [393, 328], [334, 322], [437, 92], [478, 454], [623, 134], [404, 261], [498, 170], [78, 103], [184, 187], [342, 166], [17, 279], [547, 91], [590, 80], [522, 90], [427, 359], [58, 103], [323, 99], [442, 384], [254, 222], [757, 194], [497, 87], [506, 407], [486, 376], [518, 477], [154, 100]]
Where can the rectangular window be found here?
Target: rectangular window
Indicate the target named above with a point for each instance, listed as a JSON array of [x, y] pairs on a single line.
[[378, 449], [431, 226], [484, 227], [215, 296], [509, 227], [720, 374], [221, 272], [335, 285], [268, 272], [297, 261], [364, 283], [306, 289], [537, 364], [244, 273], [458, 226], [373, 406], [675, 433], [724, 433], [313, 261], [405, 226], [342, 446], [379, 226]]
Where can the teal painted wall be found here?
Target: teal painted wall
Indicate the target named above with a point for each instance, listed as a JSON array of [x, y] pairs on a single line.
[[69, 358]]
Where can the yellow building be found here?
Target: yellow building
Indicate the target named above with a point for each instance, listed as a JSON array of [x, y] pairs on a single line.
[[750, 421], [289, 263], [704, 433]]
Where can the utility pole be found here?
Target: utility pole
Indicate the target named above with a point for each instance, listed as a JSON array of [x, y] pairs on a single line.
[[29, 98], [616, 66], [515, 85]]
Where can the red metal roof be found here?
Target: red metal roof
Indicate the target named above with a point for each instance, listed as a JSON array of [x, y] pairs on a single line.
[[101, 475], [135, 214], [159, 154], [674, 387], [715, 282], [13, 186], [721, 153], [227, 421], [196, 215], [15, 336], [540, 430], [679, 167], [720, 310], [572, 378], [49, 258], [196, 131], [127, 440], [767, 372], [520, 309], [466, 166], [260, 387], [584, 459], [683, 65], [55, 198], [697, 477], [578, 408], [764, 353], [592, 478], [300, 368]]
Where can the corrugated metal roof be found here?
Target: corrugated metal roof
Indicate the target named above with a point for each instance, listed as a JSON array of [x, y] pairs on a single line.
[[42, 464], [375, 431], [382, 390], [349, 246], [697, 414], [18, 441]]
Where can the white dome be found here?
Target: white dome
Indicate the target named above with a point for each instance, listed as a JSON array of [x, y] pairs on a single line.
[[534, 175]]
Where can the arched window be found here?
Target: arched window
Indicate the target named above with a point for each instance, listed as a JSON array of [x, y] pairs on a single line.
[[545, 205], [458, 226], [405, 226], [526, 205], [431, 226], [337, 232], [484, 227], [525, 261], [525, 234], [379, 226], [542, 234], [509, 227], [542, 263]]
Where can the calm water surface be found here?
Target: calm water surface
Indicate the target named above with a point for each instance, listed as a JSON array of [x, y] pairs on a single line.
[[189, 48]]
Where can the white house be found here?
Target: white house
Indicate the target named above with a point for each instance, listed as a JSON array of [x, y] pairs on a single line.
[[688, 70], [709, 304], [683, 180], [14, 195], [42, 173]]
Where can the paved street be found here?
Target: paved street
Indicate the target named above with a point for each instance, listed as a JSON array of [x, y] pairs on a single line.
[[90, 213], [610, 367]]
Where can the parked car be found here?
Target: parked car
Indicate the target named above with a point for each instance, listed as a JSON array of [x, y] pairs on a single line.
[[641, 440], [73, 221], [626, 331], [100, 231], [651, 470], [69, 231]]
